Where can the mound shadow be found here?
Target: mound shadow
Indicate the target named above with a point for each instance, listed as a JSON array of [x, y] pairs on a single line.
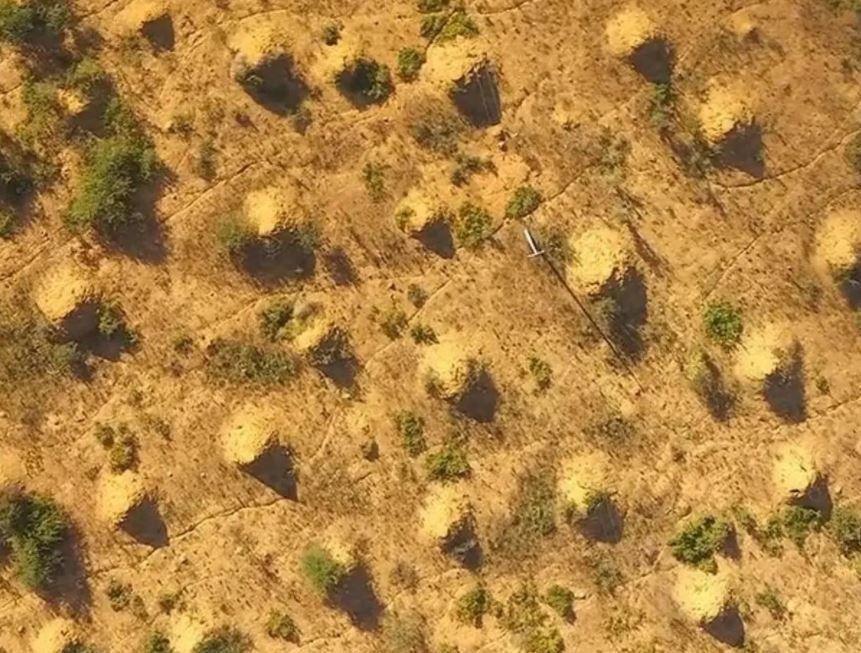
[[275, 84], [849, 286], [818, 497], [784, 389], [340, 267], [480, 400], [355, 595], [437, 238], [463, 546], [476, 96], [742, 150], [145, 524], [275, 469], [727, 627], [654, 61], [277, 259]]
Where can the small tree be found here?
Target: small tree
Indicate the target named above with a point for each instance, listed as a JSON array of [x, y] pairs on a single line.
[[33, 528], [322, 570]]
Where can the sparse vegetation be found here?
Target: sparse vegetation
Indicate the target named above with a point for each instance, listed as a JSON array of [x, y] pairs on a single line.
[[442, 28], [416, 295], [770, 600], [662, 106], [471, 607], [28, 353], [438, 132], [467, 165], [532, 513], [697, 543], [541, 373], [157, 643], [472, 226], [411, 428], [522, 615], [239, 362], [405, 634], [422, 334], [852, 153], [321, 570], [33, 528], [280, 625], [410, 62], [28, 21], [524, 201], [233, 234], [393, 322], [845, 526], [119, 595], [274, 318], [723, 323], [449, 463], [331, 33], [798, 522], [223, 640], [606, 575]]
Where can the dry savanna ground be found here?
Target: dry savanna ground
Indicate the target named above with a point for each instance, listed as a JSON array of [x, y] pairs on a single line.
[[278, 372]]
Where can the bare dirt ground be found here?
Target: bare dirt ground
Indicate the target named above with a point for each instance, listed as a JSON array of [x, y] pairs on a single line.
[[224, 532]]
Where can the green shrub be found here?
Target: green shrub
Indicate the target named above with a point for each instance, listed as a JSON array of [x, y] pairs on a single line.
[[846, 528], [471, 607], [532, 513], [393, 322], [449, 463], [852, 153], [123, 452], [698, 542], [26, 351], [423, 334], [524, 201], [411, 428], [798, 522], [157, 643], [662, 106], [410, 62], [115, 169], [274, 318], [27, 21], [206, 161], [523, 617], [561, 600], [472, 226], [606, 575], [44, 114], [239, 362], [365, 81], [223, 640], [541, 372], [281, 626], [373, 175], [321, 569], [119, 595], [467, 165], [233, 234], [33, 529], [86, 76], [723, 324], [442, 28], [416, 295]]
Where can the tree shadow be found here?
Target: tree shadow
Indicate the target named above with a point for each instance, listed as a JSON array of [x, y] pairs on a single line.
[[275, 84], [462, 545], [340, 267], [603, 522], [742, 150], [160, 33], [145, 524], [437, 238], [712, 388], [850, 286], [476, 96], [784, 389], [480, 400], [277, 259], [727, 627], [654, 61], [274, 468], [355, 595], [625, 309], [69, 587]]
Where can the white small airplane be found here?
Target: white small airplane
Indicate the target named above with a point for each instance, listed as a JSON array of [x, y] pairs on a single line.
[[533, 244]]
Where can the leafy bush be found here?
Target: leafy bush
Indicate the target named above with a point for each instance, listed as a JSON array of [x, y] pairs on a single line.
[[123, 453], [798, 521], [26, 351], [243, 362], [846, 529], [157, 643], [524, 201], [375, 181], [444, 28], [423, 334], [274, 318], [471, 607], [606, 575], [662, 106], [281, 626], [449, 463], [119, 595], [561, 599], [365, 81], [532, 512], [321, 569], [698, 542], [116, 167], [412, 429], [86, 76], [723, 324], [27, 21], [44, 113], [410, 62], [223, 640], [541, 372], [473, 225], [233, 234], [33, 528]]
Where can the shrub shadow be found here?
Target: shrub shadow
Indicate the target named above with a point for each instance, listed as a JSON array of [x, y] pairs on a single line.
[[626, 312], [275, 84], [355, 595], [784, 389], [850, 286], [160, 33], [69, 587]]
